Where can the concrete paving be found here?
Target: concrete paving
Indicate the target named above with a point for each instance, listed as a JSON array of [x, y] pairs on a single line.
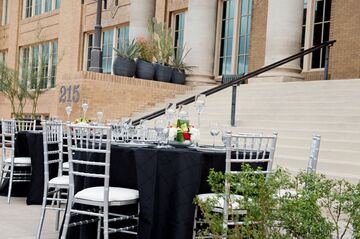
[[20, 221]]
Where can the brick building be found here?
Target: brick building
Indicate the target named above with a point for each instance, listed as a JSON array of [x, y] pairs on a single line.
[[225, 37]]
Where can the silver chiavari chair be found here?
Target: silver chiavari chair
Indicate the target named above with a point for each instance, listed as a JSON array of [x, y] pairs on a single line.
[[84, 140], [53, 187], [9, 164], [240, 149], [25, 125], [311, 166], [65, 148]]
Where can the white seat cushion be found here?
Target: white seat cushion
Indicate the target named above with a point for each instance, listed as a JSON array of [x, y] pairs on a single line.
[[287, 193], [60, 181], [19, 160], [220, 201], [116, 194], [66, 166]]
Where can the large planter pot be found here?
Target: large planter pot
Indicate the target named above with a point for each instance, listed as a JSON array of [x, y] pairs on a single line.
[[163, 73], [178, 76], [144, 70], [124, 67]]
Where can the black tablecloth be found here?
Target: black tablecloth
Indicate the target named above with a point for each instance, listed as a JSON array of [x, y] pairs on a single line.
[[167, 180]]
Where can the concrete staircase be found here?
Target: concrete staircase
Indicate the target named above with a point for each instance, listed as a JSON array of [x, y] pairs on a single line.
[[296, 110]]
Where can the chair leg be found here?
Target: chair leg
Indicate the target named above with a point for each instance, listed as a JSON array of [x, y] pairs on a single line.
[[43, 210], [195, 222], [99, 225], [67, 218], [10, 183], [1, 174], [106, 222], [57, 222]]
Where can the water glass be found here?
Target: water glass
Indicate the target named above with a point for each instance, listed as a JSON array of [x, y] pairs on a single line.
[[214, 131], [99, 116], [84, 106]]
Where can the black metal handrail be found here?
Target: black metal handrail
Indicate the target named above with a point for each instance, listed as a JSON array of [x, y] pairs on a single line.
[[241, 79]]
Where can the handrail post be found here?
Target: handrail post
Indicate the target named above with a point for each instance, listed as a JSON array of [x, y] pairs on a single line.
[[233, 105], [326, 71]]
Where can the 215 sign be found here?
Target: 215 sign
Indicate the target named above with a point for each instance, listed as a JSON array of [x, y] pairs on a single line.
[[70, 93]]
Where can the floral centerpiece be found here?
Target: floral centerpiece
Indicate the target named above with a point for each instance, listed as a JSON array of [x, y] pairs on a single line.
[[82, 120], [183, 132]]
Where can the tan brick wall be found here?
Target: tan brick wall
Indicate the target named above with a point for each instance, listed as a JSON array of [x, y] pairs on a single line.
[[116, 96], [345, 29], [258, 35]]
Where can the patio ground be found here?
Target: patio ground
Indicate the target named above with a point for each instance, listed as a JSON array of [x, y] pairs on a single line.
[[20, 221]]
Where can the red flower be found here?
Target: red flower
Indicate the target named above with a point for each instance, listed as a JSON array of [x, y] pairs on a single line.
[[186, 135]]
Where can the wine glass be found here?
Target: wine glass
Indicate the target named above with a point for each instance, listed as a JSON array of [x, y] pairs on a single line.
[[200, 105], [214, 131], [85, 107], [170, 112], [99, 115], [160, 125], [68, 110]]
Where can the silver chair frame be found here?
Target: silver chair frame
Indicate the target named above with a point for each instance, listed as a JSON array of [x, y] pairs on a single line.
[[25, 125], [256, 147], [93, 139], [52, 135], [8, 144]]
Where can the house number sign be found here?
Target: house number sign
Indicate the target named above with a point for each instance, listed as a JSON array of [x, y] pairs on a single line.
[[69, 93]]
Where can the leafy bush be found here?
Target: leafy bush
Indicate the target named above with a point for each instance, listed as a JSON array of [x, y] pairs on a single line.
[[147, 50], [162, 40], [313, 206]]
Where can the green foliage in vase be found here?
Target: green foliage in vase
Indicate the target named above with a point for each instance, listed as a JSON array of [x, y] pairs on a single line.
[[315, 208], [161, 39], [147, 50], [128, 50]]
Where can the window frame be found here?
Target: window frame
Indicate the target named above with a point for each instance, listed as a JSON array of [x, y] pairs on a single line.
[[87, 53], [50, 78], [30, 10], [235, 36], [5, 12], [309, 35], [173, 24]]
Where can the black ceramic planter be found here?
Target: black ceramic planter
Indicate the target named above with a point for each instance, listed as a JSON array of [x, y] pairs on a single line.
[[163, 73], [178, 76], [144, 70], [124, 67]]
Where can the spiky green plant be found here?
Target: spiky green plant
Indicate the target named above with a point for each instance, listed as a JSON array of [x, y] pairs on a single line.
[[128, 50]]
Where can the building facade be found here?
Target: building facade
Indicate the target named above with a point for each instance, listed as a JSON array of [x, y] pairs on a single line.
[[54, 37]]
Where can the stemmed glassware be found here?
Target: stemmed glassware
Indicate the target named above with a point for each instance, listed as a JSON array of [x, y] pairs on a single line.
[[99, 115], [68, 110], [85, 107], [214, 131], [199, 105], [170, 112], [160, 128]]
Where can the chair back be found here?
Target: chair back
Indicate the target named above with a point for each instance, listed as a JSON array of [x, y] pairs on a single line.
[[83, 140], [65, 142], [25, 125], [249, 149], [8, 138], [53, 146], [314, 153]]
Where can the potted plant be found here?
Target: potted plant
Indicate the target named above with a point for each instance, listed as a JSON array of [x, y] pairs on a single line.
[[144, 67], [124, 63], [162, 39], [179, 66]]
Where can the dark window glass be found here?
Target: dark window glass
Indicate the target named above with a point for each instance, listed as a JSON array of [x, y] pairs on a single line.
[[327, 10], [319, 10], [90, 45], [227, 31]]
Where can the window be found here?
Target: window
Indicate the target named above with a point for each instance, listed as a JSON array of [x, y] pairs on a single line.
[[179, 28], [111, 39], [107, 51], [4, 13], [234, 36], [38, 7], [316, 29], [2, 56], [38, 64], [244, 36]]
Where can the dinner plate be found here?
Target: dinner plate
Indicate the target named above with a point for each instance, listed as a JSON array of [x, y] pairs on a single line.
[[211, 149], [177, 144], [133, 144]]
